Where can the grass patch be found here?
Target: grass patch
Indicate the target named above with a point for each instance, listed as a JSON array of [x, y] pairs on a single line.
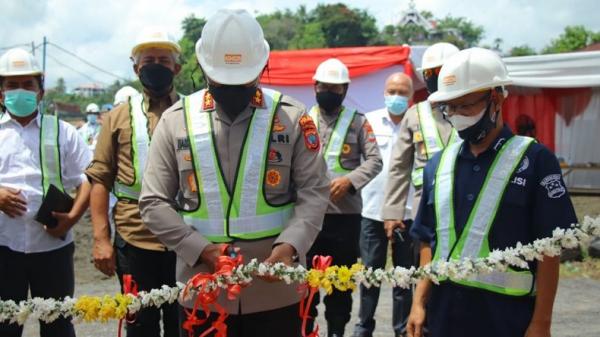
[[588, 268]]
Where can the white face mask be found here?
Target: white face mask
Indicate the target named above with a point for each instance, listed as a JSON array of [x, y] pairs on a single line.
[[460, 122]]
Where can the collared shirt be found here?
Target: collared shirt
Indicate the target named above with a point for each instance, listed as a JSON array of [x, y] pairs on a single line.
[[408, 154], [360, 154], [89, 133], [386, 132], [112, 162], [534, 204], [297, 174], [20, 169]]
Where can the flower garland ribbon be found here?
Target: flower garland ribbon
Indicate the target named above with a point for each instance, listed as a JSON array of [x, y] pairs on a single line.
[[231, 275]]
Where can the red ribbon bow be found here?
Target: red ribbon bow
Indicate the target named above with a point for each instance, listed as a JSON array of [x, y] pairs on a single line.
[[208, 296], [129, 287], [320, 263]]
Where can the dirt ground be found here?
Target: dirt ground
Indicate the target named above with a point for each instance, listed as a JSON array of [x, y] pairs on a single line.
[[576, 310]]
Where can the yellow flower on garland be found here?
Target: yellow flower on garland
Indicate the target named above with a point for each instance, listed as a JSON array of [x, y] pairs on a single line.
[[108, 309], [88, 307], [314, 278]]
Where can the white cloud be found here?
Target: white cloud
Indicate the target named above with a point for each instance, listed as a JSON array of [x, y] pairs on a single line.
[[103, 32]]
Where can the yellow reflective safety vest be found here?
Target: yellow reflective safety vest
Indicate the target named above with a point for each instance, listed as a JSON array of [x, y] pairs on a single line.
[[245, 214], [431, 138], [473, 242], [332, 152]]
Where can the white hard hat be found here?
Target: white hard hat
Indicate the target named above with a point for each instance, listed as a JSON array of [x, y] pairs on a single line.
[[332, 71], [18, 62], [468, 71], [123, 94], [155, 37], [232, 49], [437, 54], [92, 108]]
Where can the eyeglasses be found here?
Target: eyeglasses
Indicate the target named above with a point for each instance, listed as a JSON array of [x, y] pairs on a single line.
[[451, 109], [427, 73]]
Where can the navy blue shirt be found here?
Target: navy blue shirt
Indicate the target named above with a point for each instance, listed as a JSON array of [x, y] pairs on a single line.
[[534, 204]]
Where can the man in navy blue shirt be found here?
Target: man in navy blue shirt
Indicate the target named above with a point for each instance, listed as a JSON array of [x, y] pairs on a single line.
[[489, 192]]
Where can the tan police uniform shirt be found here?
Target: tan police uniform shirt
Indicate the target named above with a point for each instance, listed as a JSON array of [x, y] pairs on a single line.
[[359, 154], [112, 162], [408, 153], [167, 187]]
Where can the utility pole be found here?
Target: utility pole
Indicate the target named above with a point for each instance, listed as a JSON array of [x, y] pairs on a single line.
[[42, 105], [44, 55], [33, 48]]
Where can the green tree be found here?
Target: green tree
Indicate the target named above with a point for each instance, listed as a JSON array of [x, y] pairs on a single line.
[[573, 38], [345, 27], [467, 34], [60, 87], [309, 36], [190, 78], [522, 50], [280, 28]]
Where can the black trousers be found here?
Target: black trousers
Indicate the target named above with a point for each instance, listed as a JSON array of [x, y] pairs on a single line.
[[282, 322], [339, 239], [373, 253], [150, 270], [47, 275]]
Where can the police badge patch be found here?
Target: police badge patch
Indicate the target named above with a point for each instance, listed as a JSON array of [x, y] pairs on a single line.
[[554, 186]]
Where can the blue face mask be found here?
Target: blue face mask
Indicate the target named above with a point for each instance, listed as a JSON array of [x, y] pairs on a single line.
[[396, 104], [92, 119], [20, 103]]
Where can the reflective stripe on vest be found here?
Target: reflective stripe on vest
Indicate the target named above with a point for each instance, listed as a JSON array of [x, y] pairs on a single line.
[[50, 153], [431, 138], [140, 140], [473, 242], [247, 215], [335, 145]]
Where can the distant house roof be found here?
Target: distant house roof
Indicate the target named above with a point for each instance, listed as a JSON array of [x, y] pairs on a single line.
[[90, 86], [592, 47]]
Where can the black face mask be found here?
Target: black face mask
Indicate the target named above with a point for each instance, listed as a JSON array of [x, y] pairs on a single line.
[[329, 101], [477, 132], [157, 78], [431, 83], [232, 98]]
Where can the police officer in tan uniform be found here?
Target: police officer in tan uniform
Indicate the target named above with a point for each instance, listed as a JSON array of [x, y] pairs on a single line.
[[423, 133], [118, 164], [353, 159], [237, 164]]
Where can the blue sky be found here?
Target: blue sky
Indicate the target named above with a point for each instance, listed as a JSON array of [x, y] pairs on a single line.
[[102, 32]]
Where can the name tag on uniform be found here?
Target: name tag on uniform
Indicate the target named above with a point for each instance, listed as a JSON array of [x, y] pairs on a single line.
[[417, 137]]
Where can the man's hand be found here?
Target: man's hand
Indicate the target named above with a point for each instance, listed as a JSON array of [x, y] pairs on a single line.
[[104, 256], [283, 253], [416, 321], [339, 187], [390, 225], [65, 222], [538, 329], [11, 202]]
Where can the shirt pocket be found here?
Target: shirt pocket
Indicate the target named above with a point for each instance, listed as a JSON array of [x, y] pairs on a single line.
[[279, 163]]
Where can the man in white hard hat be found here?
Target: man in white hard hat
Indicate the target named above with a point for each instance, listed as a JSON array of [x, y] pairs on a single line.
[[40, 154], [90, 129], [386, 123], [423, 133], [237, 164], [353, 159], [488, 192], [136, 255]]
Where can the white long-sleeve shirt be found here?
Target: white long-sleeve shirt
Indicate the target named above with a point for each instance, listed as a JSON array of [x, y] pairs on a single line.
[[20, 169]]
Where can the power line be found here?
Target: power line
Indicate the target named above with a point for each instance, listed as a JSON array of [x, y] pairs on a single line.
[[74, 70], [15, 46], [87, 62]]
